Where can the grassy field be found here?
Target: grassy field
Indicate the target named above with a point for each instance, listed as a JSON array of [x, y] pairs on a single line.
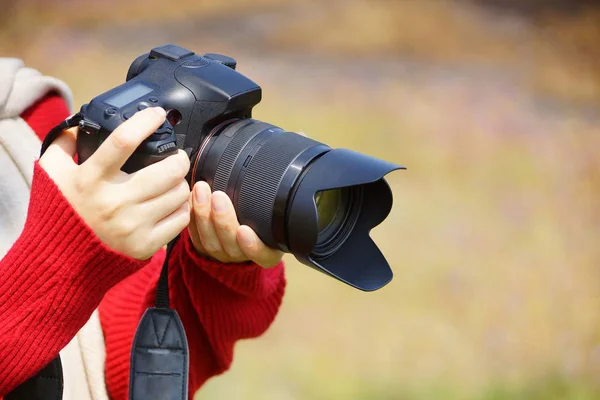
[[494, 233]]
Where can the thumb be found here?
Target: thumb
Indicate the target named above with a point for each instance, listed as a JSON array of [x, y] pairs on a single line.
[[64, 148]]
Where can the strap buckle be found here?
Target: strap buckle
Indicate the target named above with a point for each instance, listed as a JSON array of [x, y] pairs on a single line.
[[88, 126]]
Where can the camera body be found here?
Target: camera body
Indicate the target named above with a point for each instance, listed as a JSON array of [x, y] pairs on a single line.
[[198, 93]]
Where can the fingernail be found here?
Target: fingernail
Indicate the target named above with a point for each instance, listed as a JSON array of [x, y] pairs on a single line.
[[246, 238], [219, 203], [201, 196]]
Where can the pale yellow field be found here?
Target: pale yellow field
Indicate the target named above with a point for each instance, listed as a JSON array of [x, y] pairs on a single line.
[[494, 235]]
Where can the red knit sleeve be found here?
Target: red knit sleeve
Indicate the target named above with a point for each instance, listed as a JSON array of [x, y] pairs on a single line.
[[45, 114], [218, 305], [53, 278]]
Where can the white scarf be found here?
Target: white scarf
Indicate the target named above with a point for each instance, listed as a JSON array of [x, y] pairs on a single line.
[[83, 358]]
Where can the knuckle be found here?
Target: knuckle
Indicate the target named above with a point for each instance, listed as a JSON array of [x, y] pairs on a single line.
[[182, 218], [184, 163], [202, 218], [221, 256], [184, 189], [80, 184], [127, 228], [121, 140], [250, 252], [234, 254], [228, 228], [107, 208], [142, 250], [173, 170], [212, 247], [180, 195], [185, 218]]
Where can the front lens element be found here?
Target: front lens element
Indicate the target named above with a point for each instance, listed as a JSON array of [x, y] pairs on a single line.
[[337, 212], [329, 205]]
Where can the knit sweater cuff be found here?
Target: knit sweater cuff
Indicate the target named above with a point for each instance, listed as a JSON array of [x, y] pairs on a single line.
[[246, 278]]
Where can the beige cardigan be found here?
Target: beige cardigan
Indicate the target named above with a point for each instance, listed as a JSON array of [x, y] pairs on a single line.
[[83, 358]]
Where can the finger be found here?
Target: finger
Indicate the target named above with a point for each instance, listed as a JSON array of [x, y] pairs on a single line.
[[301, 134], [193, 228], [201, 203], [167, 228], [122, 142], [63, 148], [159, 207], [159, 177], [255, 249], [226, 224]]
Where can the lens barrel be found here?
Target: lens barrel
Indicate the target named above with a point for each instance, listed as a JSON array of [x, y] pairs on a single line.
[[247, 160], [300, 196]]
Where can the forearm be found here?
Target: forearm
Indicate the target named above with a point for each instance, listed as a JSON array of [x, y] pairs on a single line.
[[53, 278]]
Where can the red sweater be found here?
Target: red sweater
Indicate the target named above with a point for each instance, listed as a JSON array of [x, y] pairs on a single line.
[[58, 272]]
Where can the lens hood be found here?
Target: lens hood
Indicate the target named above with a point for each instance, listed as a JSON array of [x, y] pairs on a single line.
[[358, 261]]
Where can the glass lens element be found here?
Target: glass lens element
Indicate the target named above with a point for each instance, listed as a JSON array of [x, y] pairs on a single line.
[[329, 204]]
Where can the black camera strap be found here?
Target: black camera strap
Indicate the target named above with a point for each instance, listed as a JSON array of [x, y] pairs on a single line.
[[159, 353], [73, 120]]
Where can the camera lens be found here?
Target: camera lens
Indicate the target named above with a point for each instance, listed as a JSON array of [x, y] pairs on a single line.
[[301, 196], [257, 165]]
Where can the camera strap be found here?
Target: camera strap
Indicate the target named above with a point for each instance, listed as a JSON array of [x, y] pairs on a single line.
[[159, 354], [70, 122]]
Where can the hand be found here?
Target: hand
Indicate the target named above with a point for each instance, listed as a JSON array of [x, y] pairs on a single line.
[[215, 231], [134, 214]]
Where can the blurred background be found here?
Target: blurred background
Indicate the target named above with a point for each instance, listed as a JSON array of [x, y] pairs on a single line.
[[493, 105]]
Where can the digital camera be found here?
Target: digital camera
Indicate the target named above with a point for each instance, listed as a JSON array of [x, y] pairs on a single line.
[[299, 195]]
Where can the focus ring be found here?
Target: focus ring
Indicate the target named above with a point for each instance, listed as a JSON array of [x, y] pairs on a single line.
[[261, 179]]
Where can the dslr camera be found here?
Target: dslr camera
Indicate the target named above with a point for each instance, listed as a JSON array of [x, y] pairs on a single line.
[[299, 195]]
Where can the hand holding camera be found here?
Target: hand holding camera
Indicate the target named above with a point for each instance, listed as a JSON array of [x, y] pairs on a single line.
[[216, 232], [137, 214], [133, 214]]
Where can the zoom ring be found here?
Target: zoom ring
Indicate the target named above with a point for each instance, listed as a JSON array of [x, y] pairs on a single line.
[[260, 182], [242, 132]]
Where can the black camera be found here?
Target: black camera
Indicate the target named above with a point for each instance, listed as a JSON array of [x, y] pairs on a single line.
[[299, 195]]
